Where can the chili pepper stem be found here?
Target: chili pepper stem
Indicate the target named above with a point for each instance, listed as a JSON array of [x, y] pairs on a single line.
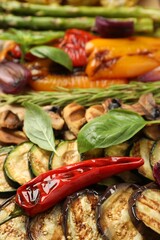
[[18, 211]]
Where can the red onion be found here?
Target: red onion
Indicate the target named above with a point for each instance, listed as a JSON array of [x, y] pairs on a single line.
[[113, 28], [156, 172], [13, 77], [151, 76]]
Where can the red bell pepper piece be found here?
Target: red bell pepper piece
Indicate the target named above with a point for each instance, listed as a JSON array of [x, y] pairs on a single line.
[[73, 43], [49, 188]]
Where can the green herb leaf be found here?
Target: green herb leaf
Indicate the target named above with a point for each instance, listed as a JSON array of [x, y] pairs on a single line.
[[55, 54], [110, 129], [30, 38], [38, 128]]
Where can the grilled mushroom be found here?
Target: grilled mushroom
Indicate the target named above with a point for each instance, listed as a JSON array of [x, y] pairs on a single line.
[[56, 120], [94, 111], [10, 120], [12, 137], [18, 110], [74, 116]]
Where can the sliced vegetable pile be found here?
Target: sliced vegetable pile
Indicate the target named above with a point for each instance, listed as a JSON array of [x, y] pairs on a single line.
[[79, 163], [81, 49], [45, 175]]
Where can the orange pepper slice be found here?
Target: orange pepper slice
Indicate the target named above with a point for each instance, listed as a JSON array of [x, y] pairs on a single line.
[[124, 67], [121, 58], [51, 82], [122, 46]]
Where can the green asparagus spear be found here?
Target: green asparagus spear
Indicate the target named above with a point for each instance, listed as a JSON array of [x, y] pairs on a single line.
[[44, 23], [144, 25], [72, 11]]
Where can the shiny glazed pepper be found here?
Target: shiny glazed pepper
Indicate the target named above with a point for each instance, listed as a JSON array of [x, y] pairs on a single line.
[[49, 188], [73, 43]]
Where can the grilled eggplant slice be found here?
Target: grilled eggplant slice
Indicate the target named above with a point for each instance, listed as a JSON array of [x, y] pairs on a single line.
[[80, 216], [16, 165], [113, 219], [47, 226], [144, 210], [38, 160], [16, 228]]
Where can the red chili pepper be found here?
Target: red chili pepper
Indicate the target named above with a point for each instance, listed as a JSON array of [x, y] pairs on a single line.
[[73, 43], [49, 188]]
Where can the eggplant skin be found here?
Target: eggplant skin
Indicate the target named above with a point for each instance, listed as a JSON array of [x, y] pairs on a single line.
[[79, 212], [144, 210], [113, 219]]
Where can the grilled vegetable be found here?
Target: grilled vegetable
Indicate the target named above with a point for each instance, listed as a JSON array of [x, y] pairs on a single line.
[[5, 189], [38, 160], [79, 216], [12, 136], [66, 153], [47, 226], [94, 111], [53, 81], [9, 120], [16, 228], [49, 188], [143, 148], [112, 28], [14, 77], [117, 150], [45, 23], [109, 58], [16, 165], [154, 156], [113, 219], [118, 3], [152, 132], [19, 8], [44, 1], [73, 43], [74, 116], [82, 2], [144, 210]]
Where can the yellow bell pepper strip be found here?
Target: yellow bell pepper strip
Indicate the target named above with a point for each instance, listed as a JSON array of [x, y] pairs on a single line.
[[121, 58]]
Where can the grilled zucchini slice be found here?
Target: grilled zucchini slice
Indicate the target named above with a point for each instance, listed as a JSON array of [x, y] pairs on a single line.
[[38, 160], [144, 210], [6, 190], [80, 216], [47, 226], [113, 219], [142, 148], [67, 153], [16, 165], [155, 153]]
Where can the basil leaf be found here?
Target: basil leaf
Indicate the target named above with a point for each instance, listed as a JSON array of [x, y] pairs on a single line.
[[110, 129], [55, 54], [38, 128]]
